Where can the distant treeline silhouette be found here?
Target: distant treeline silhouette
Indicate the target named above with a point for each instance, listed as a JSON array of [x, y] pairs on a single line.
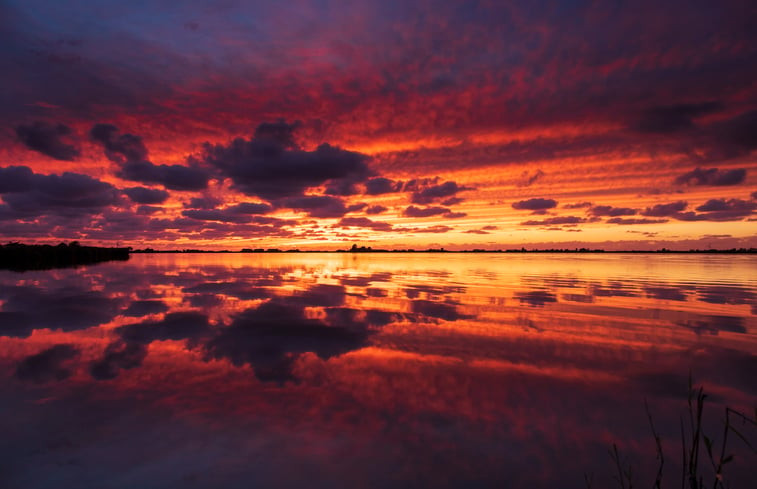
[[368, 249], [20, 257]]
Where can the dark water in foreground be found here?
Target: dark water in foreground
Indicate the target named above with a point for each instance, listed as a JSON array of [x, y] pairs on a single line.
[[369, 370]]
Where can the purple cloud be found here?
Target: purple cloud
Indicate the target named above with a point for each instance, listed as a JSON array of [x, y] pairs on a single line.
[[665, 210], [46, 138], [381, 185], [633, 221], [536, 204], [364, 222], [436, 192], [712, 176], [554, 221], [608, 210], [375, 209], [69, 194], [142, 195], [271, 166], [129, 152], [413, 211]]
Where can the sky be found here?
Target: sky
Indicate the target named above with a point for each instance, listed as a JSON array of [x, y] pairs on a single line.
[[393, 124]]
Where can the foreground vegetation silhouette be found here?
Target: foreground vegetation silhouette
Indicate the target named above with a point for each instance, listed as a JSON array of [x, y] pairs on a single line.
[[20, 257], [694, 471]]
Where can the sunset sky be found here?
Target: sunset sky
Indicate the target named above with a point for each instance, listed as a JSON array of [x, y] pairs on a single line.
[[392, 124]]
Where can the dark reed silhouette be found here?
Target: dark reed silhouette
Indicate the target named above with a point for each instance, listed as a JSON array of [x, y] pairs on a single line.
[[696, 472]]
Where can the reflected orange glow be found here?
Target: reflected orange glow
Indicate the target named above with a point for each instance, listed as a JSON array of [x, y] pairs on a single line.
[[386, 348]]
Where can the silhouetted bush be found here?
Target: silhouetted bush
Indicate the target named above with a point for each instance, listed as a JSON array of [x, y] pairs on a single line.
[[19, 257]]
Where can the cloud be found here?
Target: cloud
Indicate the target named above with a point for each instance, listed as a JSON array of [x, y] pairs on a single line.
[[241, 290], [218, 215], [734, 137], [438, 310], [143, 195], [665, 210], [27, 194], [364, 222], [674, 118], [665, 293], [242, 213], [726, 209], [119, 148], [712, 176], [146, 210], [16, 179], [377, 209], [204, 203], [381, 185], [145, 307], [536, 298], [251, 208], [713, 325], [271, 336], [174, 177], [482, 230], [437, 192], [48, 365], [356, 207], [45, 138], [271, 166], [174, 326], [432, 229], [321, 206], [233, 215], [608, 210], [712, 210], [413, 211], [632, 221], [527, 179], [554, 221], [118, 356], [130, 153], [28, 308], [536, 204], [726, 294], [577, 205]]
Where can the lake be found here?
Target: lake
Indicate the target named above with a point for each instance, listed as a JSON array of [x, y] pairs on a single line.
[[372, 370]]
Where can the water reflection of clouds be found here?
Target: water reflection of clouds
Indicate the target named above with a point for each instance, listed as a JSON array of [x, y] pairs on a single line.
[[475, 373], [51, 364], [26, 308], [535, 298]]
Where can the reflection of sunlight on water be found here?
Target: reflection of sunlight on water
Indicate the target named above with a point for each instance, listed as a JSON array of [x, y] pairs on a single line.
[[461, 350]]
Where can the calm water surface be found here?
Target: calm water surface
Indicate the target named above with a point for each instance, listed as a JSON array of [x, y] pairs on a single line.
[[368, 370]]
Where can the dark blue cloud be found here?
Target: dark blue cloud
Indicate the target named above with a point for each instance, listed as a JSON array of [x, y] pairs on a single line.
[[608, 210], [142, 195], [437, 192], [271, 166], [130, 153], [674, 118], [381, 185], [46, 138], [712, 176], [665, 210], [535, 204], [118, 356], [27, 194], [51, 364]]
